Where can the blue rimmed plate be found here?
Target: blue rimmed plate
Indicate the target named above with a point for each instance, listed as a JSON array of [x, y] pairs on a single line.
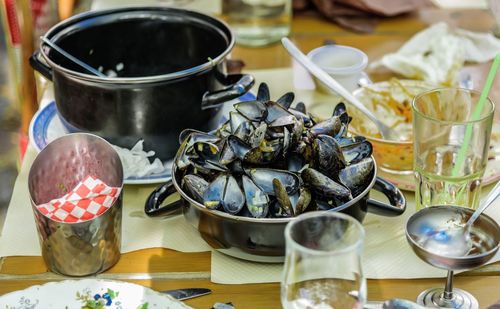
[[46, 127]]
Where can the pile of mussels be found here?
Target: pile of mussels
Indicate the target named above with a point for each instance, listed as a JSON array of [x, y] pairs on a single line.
[[271, 160]]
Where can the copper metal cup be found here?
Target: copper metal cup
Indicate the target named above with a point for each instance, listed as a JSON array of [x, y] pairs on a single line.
[[85, 248]]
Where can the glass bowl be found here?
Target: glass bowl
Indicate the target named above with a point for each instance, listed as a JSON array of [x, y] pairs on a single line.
[[391, 101]]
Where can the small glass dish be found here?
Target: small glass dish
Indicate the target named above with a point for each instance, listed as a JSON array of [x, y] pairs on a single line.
[[391, 100]]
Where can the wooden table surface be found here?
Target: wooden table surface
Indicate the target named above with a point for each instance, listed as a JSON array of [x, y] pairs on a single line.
[[167, 269]]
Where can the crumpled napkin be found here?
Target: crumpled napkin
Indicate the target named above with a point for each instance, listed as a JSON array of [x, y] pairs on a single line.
[[136, 162], [437, 53]]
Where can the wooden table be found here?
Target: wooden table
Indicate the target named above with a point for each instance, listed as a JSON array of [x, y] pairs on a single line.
[[166, 269]]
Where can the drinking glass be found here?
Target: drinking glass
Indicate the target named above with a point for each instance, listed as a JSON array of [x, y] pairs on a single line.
[[258, 22], [451, 141], [323, 262]]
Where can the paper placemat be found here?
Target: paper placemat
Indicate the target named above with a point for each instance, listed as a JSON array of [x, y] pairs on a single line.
[[386, 253]]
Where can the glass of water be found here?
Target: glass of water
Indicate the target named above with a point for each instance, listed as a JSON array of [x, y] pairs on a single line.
[[451, 140], [258, 22], [323, 262]]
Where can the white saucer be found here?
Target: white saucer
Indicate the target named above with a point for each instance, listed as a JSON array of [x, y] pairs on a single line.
[[46, 127]]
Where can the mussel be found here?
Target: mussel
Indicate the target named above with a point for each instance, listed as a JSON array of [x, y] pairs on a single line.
[[272, 160]]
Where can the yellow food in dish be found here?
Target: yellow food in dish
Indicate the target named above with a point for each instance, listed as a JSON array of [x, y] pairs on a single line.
[[391, 102]]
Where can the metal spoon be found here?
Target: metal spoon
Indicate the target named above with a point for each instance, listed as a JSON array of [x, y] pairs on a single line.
[[456, 240], [70, 57], [385, 131], [465, 242]]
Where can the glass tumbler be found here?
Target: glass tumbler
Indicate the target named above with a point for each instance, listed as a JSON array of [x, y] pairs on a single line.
[[451, 137], [258, 22], [323, 262]]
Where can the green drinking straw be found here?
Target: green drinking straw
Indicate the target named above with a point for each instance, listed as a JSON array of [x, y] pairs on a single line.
[[476, 114]]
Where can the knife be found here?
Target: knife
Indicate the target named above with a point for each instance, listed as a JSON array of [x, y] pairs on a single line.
[[183, 294]]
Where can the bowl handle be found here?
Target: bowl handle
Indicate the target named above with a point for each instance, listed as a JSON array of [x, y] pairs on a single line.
[[239, 84], [40, 66], [153, 206], [396, 199]]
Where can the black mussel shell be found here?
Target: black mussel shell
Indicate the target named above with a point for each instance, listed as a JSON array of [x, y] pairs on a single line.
[[233, 200], [357, 152], [263, 177], [195, 186], [286, 100], [263, 93], [300, 107], [252, 110], [328, 155], [257, 201], [213, 195], [331, 127], [323, 186], [357, 176], [339, 109]]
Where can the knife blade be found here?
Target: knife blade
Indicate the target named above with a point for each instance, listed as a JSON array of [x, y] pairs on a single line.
[[183, 294]]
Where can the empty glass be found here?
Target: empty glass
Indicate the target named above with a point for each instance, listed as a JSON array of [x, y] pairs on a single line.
[[451, 141], [323, 262]]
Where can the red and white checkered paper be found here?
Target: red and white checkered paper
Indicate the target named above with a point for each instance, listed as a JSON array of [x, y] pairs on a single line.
[[88, 200]]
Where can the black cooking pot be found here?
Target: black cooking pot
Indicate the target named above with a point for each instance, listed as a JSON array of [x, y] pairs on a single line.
[[259, 239], [170, 67]]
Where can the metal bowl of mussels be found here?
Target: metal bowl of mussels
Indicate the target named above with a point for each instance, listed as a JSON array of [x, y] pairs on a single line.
[[241, 184]]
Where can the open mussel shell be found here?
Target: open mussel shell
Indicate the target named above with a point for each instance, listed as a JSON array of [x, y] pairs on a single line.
[[263, 93], [263, 177], [339, 109], [257, 200], [214, 194], [234, 199], [286, 100], [276, 111], [224, 192], [236, 120], [356, 152], [252, 110], [195, 186]]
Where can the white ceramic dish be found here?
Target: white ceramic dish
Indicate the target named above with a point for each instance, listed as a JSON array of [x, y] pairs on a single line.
[[46, 126], [89, 293]]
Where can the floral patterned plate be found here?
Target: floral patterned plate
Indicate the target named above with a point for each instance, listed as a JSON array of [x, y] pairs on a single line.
[[89, 294]]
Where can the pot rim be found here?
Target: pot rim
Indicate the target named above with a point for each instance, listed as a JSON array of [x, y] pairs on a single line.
[[226, 215], [222, 27]]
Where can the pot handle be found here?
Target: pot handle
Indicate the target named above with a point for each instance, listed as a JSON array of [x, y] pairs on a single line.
[[239, 84], [396, 199], [153, 206], [40, 65]]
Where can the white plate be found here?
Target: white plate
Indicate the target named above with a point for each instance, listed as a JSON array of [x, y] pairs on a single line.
[[46, 127], [78, 293]]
